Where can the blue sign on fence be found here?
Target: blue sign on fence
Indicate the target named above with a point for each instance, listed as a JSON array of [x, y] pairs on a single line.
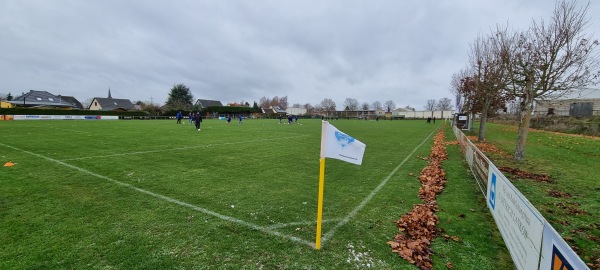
[[492, 196]]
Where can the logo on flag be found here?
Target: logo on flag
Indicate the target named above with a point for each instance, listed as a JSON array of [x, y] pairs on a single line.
[[343, 139], [339, 145]]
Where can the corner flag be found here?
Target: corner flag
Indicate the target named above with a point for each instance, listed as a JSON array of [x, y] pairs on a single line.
[[338, 145]]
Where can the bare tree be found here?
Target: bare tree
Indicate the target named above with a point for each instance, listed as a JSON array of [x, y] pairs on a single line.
[[389, 105], [151, 108], [549, 61], [309, 108], [328, 106], [430, 105], [445, 104], [376, 106], [350, 104], [280, 102], [283, 103], [365, 106], [490, 79], [456, 84], [264, 102]]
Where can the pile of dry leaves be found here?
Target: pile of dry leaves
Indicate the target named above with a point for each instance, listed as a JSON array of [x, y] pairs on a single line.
[[488, 148], [418, 227], [527, 175]]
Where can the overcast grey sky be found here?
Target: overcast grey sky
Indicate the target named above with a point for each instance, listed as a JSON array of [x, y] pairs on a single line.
[[405, 51]]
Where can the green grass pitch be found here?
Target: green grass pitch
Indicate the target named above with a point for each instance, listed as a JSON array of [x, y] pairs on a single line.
[[156, 195]]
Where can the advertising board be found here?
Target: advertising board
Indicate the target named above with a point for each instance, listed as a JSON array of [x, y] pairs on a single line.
[[557, 254], [520, 224]]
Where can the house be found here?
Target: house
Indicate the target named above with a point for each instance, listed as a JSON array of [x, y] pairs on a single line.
[[38, 99], [564, 107], [204, 103], [110, 104], [5, 104], [70, 99]]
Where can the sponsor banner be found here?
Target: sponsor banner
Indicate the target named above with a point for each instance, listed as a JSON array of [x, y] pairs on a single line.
[[480, 166], [67, 117], [27, 117], [557, 254], [63, 117], [469, 154], [520, 224], [463, 143]]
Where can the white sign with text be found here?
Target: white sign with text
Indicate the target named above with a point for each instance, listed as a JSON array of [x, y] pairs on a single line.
[[520, 224]]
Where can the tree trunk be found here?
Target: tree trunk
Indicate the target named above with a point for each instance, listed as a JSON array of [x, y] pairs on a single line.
[[482, 121], [525, 117], [523, 132], [484, 116]]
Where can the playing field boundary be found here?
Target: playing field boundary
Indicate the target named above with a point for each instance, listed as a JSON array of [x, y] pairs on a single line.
[[181, 148], [367, 199], [266, 229], [171, 200]]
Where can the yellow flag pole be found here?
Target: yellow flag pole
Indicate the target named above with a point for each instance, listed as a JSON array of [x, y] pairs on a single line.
[[320, 203]]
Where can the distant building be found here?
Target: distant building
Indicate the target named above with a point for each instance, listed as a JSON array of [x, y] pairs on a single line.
[[110, 104], [5, 104], [76, 104], [39, 99], [568, 107], [362, 114], [404, 113], [204, 103], [296, 111]]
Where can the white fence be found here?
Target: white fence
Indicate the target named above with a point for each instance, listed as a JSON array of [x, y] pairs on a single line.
[[531, 240]]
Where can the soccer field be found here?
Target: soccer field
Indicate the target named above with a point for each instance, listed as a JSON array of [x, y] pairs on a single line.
[[155, 195]]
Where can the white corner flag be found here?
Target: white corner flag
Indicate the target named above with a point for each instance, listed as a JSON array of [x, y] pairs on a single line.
[[338, 145]]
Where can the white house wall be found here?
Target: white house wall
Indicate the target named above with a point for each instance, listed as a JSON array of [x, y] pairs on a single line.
[[424, 114], [296, 111]]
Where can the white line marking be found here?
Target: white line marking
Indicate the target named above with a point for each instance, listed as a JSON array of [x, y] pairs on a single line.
[[351, 215], [283, 225], [175, 201], [181, 148]]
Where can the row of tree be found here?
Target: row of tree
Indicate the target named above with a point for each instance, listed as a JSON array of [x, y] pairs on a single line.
[[549, 60]]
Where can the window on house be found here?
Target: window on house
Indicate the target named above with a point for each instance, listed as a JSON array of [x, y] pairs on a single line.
[[51, 99], [115, 103], [38, 98], [96, 103]]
